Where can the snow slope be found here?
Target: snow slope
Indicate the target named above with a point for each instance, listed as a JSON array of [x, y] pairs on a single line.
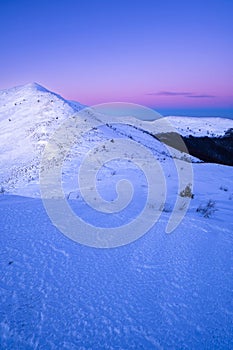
[[160, 292], [186, 126], [28, 117], [212, 127]]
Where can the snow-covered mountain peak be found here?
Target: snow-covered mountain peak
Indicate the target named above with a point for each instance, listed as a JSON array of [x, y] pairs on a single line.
[[35, 87], [33, 99], [30, 93], [30, 88], [28, 116]]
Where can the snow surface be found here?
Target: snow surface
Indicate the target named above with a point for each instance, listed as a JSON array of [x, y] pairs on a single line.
[[186, 126], [213, 127], [159, 292], [29, 114]]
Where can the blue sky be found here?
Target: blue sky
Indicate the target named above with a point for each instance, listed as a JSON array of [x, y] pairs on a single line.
[[165, 54]]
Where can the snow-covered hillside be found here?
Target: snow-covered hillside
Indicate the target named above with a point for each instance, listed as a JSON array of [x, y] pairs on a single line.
[[28, 116], [163, 291], [201, 126]]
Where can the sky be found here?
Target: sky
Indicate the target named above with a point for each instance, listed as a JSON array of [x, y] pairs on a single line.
[[164, 54]]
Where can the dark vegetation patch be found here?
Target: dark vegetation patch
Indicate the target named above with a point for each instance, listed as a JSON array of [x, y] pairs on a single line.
[[207, 148]]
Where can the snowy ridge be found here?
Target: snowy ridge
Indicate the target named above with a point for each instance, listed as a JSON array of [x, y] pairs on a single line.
[[30, 114], [28, 117], [186, 126], [194, 126]]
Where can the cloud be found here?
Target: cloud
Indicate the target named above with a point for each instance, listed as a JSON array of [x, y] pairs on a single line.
[[179, 93], [201, 96], [169, 93]]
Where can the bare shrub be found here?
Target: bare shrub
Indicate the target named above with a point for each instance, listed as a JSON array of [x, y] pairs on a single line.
[[208, 209]]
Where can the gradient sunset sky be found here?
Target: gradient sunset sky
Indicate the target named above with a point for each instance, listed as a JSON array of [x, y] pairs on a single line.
[[161, 53]]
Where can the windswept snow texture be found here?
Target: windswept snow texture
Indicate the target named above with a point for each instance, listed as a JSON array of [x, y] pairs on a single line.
[[160, 292]]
